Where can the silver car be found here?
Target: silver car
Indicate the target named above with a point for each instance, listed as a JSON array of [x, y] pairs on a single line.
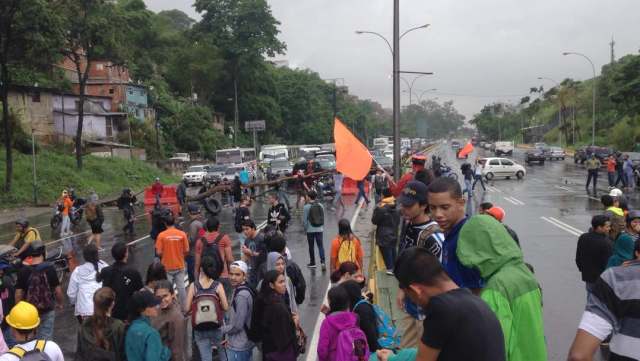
[[556, 153]]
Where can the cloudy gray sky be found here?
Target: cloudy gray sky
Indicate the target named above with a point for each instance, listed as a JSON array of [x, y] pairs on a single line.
[[480, 51]]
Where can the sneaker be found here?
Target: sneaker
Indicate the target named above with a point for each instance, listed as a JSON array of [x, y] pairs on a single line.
[[324, 266], [311, 265], [389, 272]]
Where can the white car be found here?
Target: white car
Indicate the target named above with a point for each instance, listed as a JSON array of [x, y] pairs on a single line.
[[195, 174], [502, 167]]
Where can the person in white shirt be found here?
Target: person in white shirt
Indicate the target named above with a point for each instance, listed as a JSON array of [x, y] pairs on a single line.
[[84, 282], [24, 320]]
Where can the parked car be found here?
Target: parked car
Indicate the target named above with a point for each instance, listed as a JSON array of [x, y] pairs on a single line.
[[583, 153], [195, 174], [540, 145], [279, 168], [215, 173], [502, 167], [503, 148], [535, 155], [556, 153]]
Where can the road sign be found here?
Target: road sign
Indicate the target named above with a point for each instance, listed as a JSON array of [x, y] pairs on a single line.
[[254, 125]]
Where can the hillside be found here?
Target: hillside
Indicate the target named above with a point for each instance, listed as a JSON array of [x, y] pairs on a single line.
[[56, 171]]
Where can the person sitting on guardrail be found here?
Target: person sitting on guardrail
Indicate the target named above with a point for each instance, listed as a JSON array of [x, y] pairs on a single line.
[[23, 238]]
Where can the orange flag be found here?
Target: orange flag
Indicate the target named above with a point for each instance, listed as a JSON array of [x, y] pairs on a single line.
[[352, 157], [466, 150]]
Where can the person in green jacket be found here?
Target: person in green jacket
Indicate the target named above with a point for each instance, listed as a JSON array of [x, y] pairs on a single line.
[[511, 290], [143, 342], [624, 244]]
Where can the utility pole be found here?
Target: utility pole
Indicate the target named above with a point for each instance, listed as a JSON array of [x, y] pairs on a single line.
[[235, 112], [33, 156], [612, 44], [396, 89]]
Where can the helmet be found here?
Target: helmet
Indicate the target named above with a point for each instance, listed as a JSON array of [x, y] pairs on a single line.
[[615, 192], [23, 316], [24, 222], [496, 212]]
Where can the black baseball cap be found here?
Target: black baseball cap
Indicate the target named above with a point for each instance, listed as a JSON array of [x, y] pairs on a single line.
[[412, 193], [145, 299]]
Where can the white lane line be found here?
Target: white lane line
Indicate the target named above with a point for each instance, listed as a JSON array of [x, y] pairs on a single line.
[[493, 189], [564, 188], [510, 201], [568, 230], [519, 202], [312, 354], [537, 180], [566, 225]]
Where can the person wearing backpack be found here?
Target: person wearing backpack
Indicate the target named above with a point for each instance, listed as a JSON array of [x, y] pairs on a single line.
[[340, 337], [367, 318], [95, 217], [207, 303], [192, 227], [387, 218], [380, 183], [101, 337], [39, 285], [142, 342], [313, 221], [272, 323], [83, 282], [24, 322], [217, 245], [170, 321], [346, 247], [172, 246], [238, 345]]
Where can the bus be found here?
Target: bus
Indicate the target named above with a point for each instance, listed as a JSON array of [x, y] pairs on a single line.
[[273, 151], [229, 156]]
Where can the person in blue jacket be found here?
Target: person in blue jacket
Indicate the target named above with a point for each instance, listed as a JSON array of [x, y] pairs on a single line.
[[143, 342]]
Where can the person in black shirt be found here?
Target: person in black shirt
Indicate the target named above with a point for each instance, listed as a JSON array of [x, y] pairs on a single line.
[[457, 324], [125, 203], [593, 250], [277, 215], [121, 278]]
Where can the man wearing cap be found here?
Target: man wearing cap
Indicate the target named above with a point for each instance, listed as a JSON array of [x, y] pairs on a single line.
[[418, 230], [142, 341], [194, 225], [417, 164], [24, 321], [238, 345]]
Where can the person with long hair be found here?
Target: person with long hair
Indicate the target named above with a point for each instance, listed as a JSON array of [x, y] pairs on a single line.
[[367, 320], [347, 271], [101, 337], [143, 342], [83, 282], [276, 261], [155, 272], [346, 247], [170, 321], [273, 321], [207, 335]]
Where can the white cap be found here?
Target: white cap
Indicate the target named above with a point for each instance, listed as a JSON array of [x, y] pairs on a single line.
[[242, 265], [615, 192]]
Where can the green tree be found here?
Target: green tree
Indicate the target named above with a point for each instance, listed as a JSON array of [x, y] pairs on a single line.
[[29, 36]]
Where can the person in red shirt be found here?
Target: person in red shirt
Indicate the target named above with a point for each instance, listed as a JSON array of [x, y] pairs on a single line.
[[417, 164], [211, 233], [172, 246], [611, 170], [157, 188]]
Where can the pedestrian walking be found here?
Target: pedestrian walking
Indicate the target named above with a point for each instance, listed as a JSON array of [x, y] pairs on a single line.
[[25, 234], [181, 193], [623, 246], [477, 175], [157, 189], [65, 203], [207, 303], [142, 341], [254, 250], [611, 170], [628, 170], [283, 198], [458, 325], [386, 217], [126, 203], [272, 322], [172, 246], [338, 179], [170, 322], [24, 322], [95, 217], [277, 216], [340, 337], [346, 247], [611, 312], [213, 241], [367, 318], [380, 183], [123, 279], [101, 337], [467, 174], [83, 282], [236, 190], [593, 251], [313, 223], [38, 284], [593, 166], [193, 226], [238, 345], [485, 245], [361, 192]]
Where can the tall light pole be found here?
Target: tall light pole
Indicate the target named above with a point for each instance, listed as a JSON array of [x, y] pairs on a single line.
[[559, 107], [593, 101], [424, 92], [395, 52]]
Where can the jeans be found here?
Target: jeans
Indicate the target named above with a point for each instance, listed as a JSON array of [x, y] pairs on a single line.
[[361, 193], [315, 237], [630, 179], [206, 340], [338, 198], [377, 196], [477, 178], [621, 179], [190, 260], [177, 277], [66, 225], [592, 174], [239, 355], [389, 256], [45, 330], [282, 198], [612, 178], [467, 187]]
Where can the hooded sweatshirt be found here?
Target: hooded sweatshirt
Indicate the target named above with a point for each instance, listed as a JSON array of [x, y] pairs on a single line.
[[622, 250], [88, 348], [82, 286], [290, 296], [511, 290], [239, 320], [329, 331]]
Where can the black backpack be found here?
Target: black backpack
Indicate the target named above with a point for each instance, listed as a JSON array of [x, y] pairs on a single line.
[[252, 292], [213, 251], [316, 215]]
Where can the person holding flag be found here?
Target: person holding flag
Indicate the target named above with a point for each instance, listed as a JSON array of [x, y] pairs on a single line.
[[417, 164]]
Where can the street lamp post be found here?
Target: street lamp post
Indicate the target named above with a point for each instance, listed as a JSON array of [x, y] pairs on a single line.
[[559, 108], [424, 92], [593, 101]]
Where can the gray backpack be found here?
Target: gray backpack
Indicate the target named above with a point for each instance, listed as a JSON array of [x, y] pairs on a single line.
[[37, 354]]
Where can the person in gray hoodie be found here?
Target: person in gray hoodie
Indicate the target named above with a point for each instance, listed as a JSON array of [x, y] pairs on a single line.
[[276, 261], [238, 345]]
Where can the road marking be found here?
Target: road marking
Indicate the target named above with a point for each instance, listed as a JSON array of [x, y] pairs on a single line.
[[568, 230], [514, 200], [564, 188], [493, 189], [312, 354], [566, 225], [537, 180], [510, 201]]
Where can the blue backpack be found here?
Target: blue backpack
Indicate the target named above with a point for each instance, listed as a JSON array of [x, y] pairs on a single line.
[[388, 336]]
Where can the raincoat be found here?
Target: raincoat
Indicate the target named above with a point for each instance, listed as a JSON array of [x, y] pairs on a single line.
[[622, 250], [511, 290]]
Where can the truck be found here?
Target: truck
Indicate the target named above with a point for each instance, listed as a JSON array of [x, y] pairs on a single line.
[[503, 148], [273, 151]]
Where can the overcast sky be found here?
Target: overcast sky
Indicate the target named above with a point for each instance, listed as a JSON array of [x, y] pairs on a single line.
[[480, 51]]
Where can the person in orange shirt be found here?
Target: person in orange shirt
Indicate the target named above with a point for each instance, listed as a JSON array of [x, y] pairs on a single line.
[[611, 170], [172, 246], [66, 203], [346, 247]]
